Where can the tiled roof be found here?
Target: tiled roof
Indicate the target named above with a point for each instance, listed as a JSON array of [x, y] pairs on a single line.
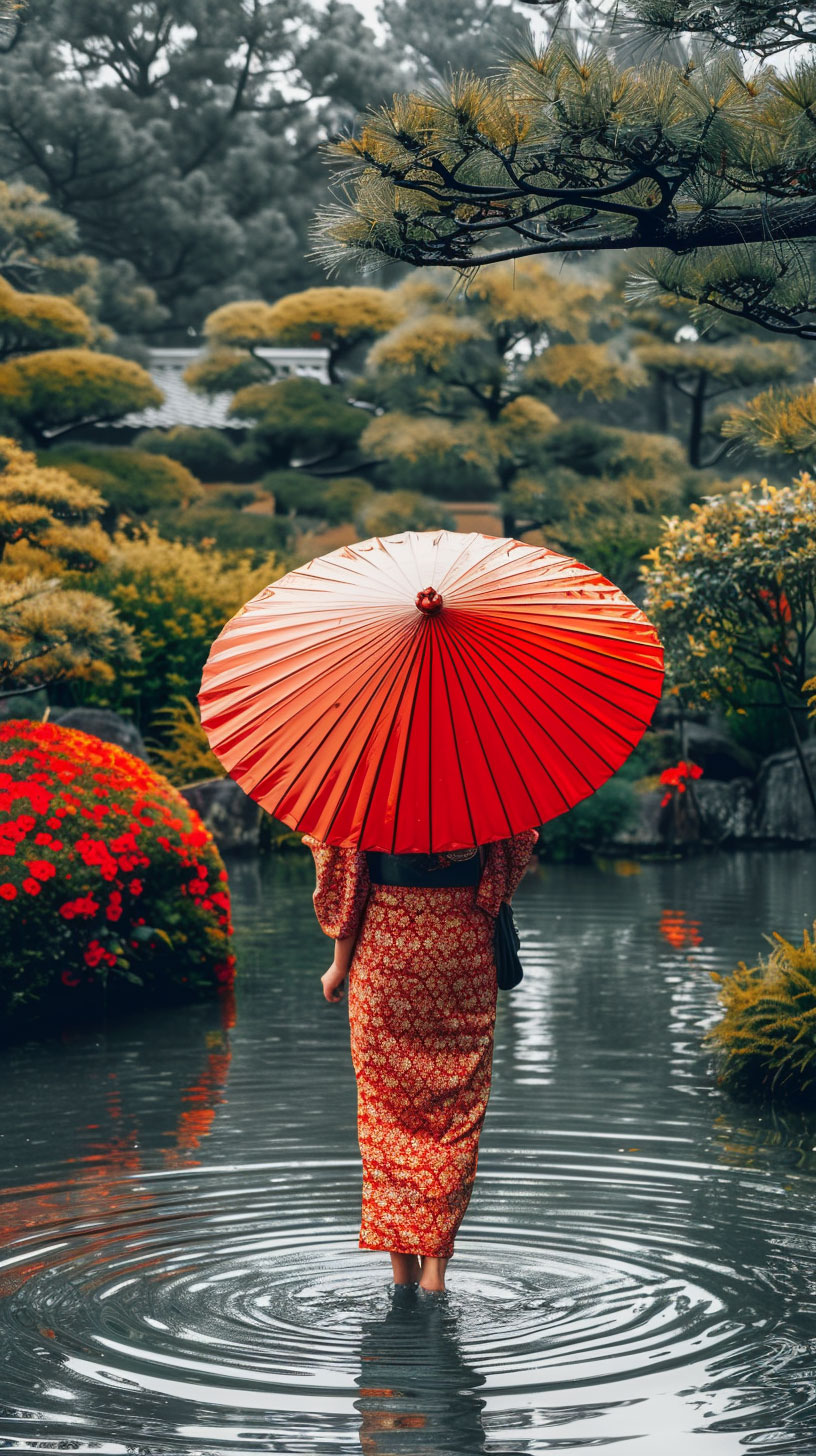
[[182, 406]]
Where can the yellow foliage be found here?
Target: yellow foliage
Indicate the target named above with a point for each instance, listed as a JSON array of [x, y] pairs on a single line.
[[318, 316], [48, 634], [530, 292], [46, 508], [766, 1037], [430, 342], [183, 754], [524, 417], [584, 369], [775, 421], [31, 321], [63, 386]]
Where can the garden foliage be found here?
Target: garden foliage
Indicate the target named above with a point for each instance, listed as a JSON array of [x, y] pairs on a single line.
[[732, 592], [766, 1041], [112, 890], [176, 598]]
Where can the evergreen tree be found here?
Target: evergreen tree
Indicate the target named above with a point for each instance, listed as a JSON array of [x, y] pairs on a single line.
[[50, 632], [706, 170]]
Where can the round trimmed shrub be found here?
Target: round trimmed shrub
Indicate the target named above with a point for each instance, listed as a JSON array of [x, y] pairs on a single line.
[[113, 892], [206, 452], [134, 481]]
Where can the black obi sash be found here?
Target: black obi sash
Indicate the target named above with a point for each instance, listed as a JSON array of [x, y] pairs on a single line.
[[420, 870]]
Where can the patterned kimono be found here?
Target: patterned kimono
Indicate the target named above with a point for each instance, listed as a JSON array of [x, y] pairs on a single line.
[[422, 1009]]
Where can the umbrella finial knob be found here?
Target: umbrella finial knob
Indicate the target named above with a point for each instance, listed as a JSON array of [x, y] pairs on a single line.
[[429, 600]]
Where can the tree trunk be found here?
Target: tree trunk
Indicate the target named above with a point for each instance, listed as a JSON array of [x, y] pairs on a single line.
[[660, 395], [695, 444], [797, 742]]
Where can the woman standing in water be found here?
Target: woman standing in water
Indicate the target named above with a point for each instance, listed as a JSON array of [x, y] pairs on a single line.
[[414, 935]]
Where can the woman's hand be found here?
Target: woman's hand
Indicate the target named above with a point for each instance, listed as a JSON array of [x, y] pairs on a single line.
[[333, 982]]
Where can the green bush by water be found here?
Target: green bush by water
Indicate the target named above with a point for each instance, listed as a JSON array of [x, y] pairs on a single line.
[[766, 1041]]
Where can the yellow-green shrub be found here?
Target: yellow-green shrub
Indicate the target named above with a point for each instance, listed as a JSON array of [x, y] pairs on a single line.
[[766, 1040], [177, 597]]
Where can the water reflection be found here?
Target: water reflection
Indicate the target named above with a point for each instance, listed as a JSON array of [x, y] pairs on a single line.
[[418, 1394], [179, 1272]]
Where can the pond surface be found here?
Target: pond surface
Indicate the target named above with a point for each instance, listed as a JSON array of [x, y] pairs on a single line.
[[637, 1268]]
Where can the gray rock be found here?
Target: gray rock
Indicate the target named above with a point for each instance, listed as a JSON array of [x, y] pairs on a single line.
[[23, 705], [726, 810], [645, 831], [718, 756], [104, 724], [783, 810], [232, 817]]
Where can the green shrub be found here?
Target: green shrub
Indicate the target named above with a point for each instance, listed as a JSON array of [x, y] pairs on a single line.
[[591, 823], [296, 491], [132, 481], [113, 891], [182, 750], [227, 529], [207, 453], [766, 1041], [176, 597], [390, 511], [332, 501]]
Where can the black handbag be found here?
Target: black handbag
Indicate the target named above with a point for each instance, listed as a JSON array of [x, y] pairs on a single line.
[[506, 942]]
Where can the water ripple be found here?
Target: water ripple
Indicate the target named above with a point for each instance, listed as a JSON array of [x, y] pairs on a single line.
[[179, 1269]]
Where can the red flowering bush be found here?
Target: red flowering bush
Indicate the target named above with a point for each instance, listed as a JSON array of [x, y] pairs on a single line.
[[677, 778], [111, 888]]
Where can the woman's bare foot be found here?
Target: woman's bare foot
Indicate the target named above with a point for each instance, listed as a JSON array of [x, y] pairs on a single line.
[[433, 1274], [406, 1268]]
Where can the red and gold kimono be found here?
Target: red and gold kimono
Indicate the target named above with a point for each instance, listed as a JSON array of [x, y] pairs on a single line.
[[422, 1009]]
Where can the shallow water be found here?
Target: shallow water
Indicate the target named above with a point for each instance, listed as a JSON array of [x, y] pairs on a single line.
[[180, 1270]]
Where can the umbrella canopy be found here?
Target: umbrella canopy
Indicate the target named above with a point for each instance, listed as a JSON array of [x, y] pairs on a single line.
[[429, 691]]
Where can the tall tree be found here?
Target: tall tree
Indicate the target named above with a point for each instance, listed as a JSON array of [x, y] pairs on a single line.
[[701, 372], [181, 135], [473, 381], [709, 166]]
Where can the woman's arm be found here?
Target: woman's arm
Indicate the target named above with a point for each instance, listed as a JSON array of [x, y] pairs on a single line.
[[334, 978]]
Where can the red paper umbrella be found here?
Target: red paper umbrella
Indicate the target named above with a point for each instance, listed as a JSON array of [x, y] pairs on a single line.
[[429, 691]]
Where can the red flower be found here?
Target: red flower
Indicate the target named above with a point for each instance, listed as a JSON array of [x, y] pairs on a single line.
[[135, 887], [69, 979], [31, 887], [8, 891], [675, 778], [114, 912], [93, 954], [41, 869]]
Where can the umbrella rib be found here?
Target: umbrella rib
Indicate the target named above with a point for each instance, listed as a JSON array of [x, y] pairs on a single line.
[[462, 779], [407, 737], [296, 692], [640, 722], [536, 620], [632, 687], [488, 764], [329, 730], [419, 641], [293, 696], [354, 633], [530, 745]]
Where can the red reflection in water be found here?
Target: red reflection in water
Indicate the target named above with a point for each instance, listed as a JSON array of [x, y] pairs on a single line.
[[112, 1155], [679, 930]]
